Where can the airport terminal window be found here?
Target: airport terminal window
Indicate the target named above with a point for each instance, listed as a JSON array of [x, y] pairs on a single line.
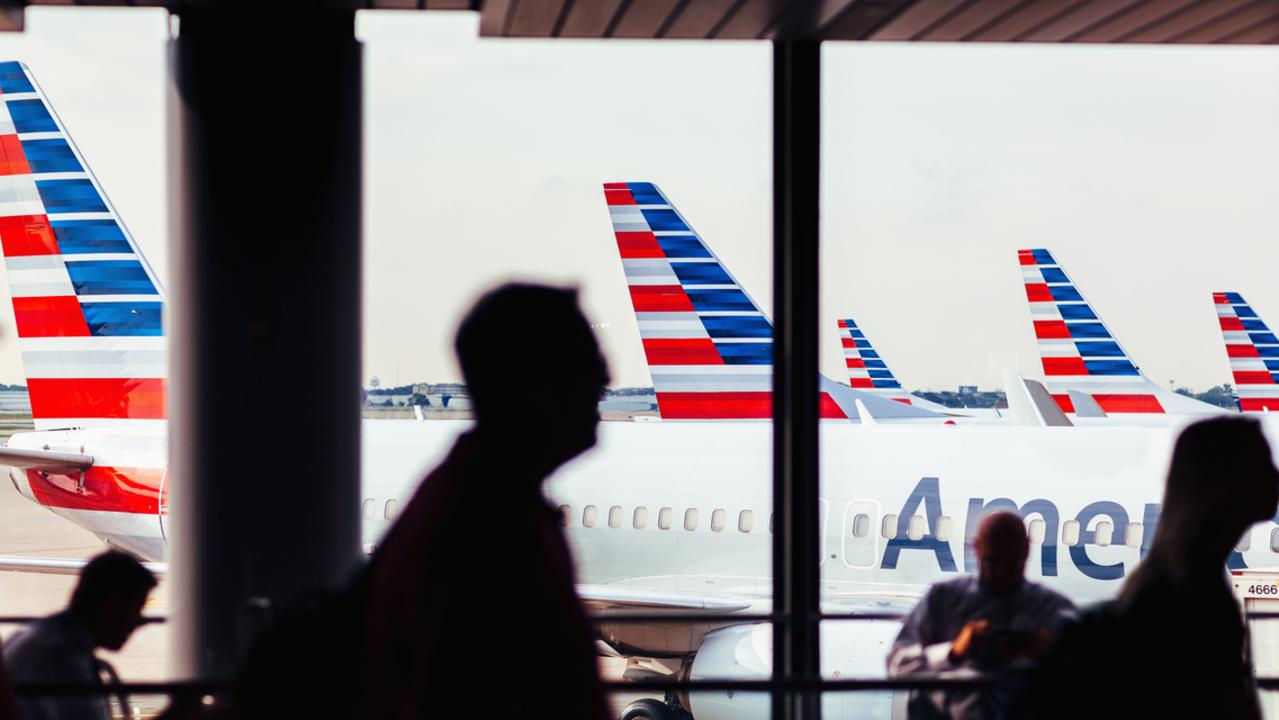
[[588, 516], [945, 528], [392, 509], [639, 520], [1104, 532], [1037, 531], [690, 519], [889, 527], [746, 521], [719, 519], [1132, 535], [861, 525], [615, 516], [664, 517], [566, 514], [366, 509], [1070, 533]]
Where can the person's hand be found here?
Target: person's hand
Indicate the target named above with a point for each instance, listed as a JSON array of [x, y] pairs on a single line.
[[969, 638]]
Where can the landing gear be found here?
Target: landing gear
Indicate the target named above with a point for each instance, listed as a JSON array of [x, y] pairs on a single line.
[[650, 709]]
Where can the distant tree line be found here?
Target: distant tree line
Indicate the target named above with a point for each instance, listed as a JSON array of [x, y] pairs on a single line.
[[12, 388], [953, 399], [1221, 396]]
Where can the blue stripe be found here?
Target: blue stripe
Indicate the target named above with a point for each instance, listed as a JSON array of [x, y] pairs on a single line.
[[682, 246], [664, 220], [746, 353], [13, 80], [701, 274], [1065, 293], [89, 236], [646, 193], [1087, 331], [1042, 257], [1264, 338], [109, 277], [856, 333], [31, 116], [875, 364], [868, 354], [887, 384], [1076, 312], [53, 155], [1244, 311], [1268, 351], [715, 300], [1275, 377], [1054, 275], [849, 322], [719, 326], [123, 318], [861, 343], [1099, 349], [1110, 367], [70, 196], [1272, 365], [1234, 298], [880, 374], [1254, 325]]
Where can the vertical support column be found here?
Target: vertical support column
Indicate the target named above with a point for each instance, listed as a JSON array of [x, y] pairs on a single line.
[[264, 130], [796, 541]]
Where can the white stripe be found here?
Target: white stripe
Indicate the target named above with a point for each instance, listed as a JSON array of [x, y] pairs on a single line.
[[95, 364], [64, 423], [1031, 274], [761, 370], [154, 297], [720, 286], [60, 175], [743, 340], [656, 329], [1225, 311], [81, 216], [1248, 364], [1236, 337], [1045, 311], [1058, 348], [73, 344], [8, 97], [55, 135], [1257, 390]]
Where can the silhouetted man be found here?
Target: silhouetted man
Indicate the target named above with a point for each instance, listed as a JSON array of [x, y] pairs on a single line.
[[105, 608], [1172, 643], [474, 585], [990, 622]]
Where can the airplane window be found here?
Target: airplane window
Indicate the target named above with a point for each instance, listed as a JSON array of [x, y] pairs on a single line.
[[664, 518], [640, 519], [1070, 533], [690, 519], [770, 523], [861, 525], [915, 528], [367, 509], [1245, 542], [1105, 529], [746, 521], [719, 518], [889, 527], [566, 514], [392, 509], [588, 516], [1132, 535], [945, 526], [615, 516], [1274, 540], [1037, 531]]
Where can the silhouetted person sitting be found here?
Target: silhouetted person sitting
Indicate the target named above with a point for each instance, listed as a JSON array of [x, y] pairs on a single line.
[[105, 609], [474, 583], [1172, 643], [992, 622]]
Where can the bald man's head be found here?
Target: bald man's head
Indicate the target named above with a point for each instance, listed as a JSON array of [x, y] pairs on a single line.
[[1002, 547]]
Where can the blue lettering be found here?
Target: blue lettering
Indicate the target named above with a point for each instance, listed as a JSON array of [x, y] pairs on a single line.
[[1079, 551], [928, 493]]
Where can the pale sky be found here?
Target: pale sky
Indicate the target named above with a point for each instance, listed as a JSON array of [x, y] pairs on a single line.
[[1152, 173]]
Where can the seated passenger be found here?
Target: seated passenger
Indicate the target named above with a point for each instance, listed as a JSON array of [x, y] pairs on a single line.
[[991, 622], [477, 567], [105, 609]]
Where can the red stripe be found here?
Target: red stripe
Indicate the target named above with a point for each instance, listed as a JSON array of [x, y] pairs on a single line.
[[660, 298], [1063, 402], [1025, 257], [58, 316], [903, 400], [848, 343], [616, 186], [122, 398], [619, 197], [730, 406], [1242, 351], [27, 235], [1051, 330], [861, 383], [682, 351], [1128, 403], [1038, 292], [638, 245], [130, 490], [1064, 366], [1253, 377], [855, 362], [1259, 404], [1230, 323], [12, 160], [1220, 299], [842, 324]]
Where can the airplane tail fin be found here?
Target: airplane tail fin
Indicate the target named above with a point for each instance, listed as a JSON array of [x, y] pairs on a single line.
[[866, 369], [709, 345], [1079, 352], [86, 305], [1253, 351]]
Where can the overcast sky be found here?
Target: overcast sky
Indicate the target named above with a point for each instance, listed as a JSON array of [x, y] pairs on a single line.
[[1153, 173]]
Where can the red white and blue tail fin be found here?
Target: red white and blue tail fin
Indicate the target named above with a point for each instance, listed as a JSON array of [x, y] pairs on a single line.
[[1080, 353], [708, 344], [86, 304], [1253, 351], [869, 372]]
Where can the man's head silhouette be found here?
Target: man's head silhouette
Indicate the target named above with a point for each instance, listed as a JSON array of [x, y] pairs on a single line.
[[534, 371], [1002, 547], [109, 597]]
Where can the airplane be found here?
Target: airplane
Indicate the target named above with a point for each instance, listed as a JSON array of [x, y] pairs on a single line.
[[662, 517], [868, 371], [1080, 354], [1253, 351]]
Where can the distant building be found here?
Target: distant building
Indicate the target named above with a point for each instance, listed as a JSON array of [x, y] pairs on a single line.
[[375, 383], [967, 389]]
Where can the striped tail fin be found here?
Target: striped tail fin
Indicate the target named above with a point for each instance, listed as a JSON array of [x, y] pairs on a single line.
[[1253, 351], [86, 305], [866, 369], [708, 344], [1080, 353]]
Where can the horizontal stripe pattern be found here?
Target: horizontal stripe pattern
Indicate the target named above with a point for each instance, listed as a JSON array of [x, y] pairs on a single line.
[[1252, 351]]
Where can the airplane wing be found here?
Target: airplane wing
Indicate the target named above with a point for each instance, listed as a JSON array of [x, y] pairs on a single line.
[[45, 460], [59, 566], [606, 599]]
